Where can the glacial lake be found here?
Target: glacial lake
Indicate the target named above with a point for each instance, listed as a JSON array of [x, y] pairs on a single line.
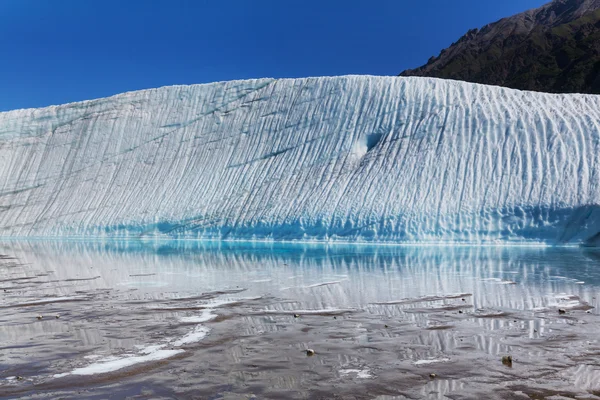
[[235, 320]]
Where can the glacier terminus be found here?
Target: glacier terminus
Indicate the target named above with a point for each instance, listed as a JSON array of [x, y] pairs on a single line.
[[353, 158]]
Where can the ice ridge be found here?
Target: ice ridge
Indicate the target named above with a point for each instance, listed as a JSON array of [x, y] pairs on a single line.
[[353, 158]]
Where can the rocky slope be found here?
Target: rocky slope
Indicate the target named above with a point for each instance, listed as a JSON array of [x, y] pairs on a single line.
[[555, 48]]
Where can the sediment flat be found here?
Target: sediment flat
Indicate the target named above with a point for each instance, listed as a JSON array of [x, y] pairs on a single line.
[[236, 323]]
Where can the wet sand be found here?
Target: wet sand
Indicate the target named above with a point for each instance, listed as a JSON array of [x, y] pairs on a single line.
[[236, 324]]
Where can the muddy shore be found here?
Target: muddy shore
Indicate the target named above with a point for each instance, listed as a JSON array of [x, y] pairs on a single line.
[[95, 323]]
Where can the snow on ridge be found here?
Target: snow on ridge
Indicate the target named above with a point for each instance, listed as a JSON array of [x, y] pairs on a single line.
[[354, 158]]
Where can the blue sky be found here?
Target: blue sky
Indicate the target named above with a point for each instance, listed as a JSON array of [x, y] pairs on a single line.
[[68, 50]]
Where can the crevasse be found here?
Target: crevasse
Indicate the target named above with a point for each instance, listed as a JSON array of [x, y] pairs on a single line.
[[354, 158]]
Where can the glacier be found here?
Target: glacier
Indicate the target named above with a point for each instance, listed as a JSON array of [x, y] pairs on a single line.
[[352, 158]]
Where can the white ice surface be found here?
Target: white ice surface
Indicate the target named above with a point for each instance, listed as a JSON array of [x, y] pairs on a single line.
[[431, 361], [117, 363], [147, 353], [355, 158], [358, 373], [206, 315], [196, 335]]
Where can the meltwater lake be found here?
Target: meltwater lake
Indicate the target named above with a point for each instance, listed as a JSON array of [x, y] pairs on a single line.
[[235, 320]]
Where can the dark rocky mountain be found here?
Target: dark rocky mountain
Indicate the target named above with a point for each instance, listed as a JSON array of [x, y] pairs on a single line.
[[554, 48]]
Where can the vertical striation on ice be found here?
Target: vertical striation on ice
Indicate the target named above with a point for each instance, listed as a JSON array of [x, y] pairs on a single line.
[[355, 158]]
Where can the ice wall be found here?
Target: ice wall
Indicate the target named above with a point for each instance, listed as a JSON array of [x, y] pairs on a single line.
[[353, 158]]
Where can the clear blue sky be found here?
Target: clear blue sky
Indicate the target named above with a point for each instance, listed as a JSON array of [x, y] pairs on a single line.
[[68, 50]]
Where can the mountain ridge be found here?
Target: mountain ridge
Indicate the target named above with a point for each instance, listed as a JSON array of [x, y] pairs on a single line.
[[554, 48]]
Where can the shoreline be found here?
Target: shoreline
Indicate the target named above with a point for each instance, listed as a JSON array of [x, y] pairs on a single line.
[[237, 324]]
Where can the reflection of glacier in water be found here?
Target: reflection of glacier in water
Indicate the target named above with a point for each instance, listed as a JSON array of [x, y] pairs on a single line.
[[353, 276], [346, 276], [128, 303]]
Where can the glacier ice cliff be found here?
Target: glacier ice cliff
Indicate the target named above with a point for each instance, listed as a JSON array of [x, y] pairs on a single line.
[[354, 158]]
